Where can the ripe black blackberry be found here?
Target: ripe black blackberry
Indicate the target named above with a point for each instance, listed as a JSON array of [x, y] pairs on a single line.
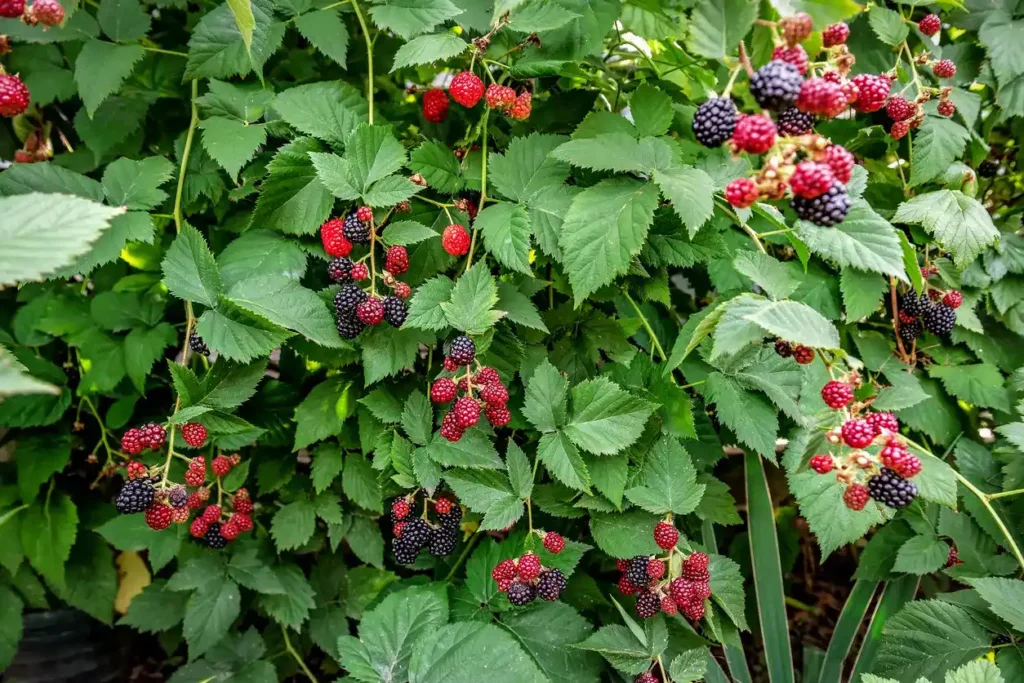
[[647, 605], [340, 270], [988, 168], [213, 538], [418, 532], [714, 121], [890, 489], [395, 311], [349, 326], [348, 297], [462, 350], [551, 585], [792, 121], [910, 331], [783, 348], [196, 343], [939, 319], [443, 542], [776, 85], [135, 496], [178, 497], [636, 571], [826, 210], [913, 304], [1002, 639], [452, 519], [356, 231], [520, 594], [404, 549]]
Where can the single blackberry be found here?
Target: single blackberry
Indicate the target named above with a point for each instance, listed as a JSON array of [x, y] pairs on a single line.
[[714, 121], [988, 168], [647, 605], [196, 343], [636, 571], [890, 489], [939, 319], [452, 519], [213, 538], [395, 311], [913, 304], [520, 594], [348, 325], [405, 550], [348, 297], [356, 231], [783, 348], [792, 121], [1002, 639], [443, 542], [910, 331], [551, 585], [776, 85], [135, 496], [340, 270], [826, 210], [178, 497], [462, 350], [418, 532]]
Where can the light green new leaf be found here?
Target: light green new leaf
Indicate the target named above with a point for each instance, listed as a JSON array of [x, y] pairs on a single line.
[[374, 154], [329, 110], [938, 143], [668, 482], [244, 20], [470, 307], [190, 271], [651, 110], [336, 174], [767, 272], [606, 418], [796, 322], [922, 554], [957, 222], [691, 192], [448, 655], [888, 25], [409, 18]]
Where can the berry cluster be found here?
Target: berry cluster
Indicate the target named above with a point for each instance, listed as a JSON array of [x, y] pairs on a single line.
[[413, 534], [196, 343], [46, 13], [467, 89], [933, 310], [804, 355], [505, 100], [491, 395], [886, 472], [354, 308], [149, 436], [523, 579]]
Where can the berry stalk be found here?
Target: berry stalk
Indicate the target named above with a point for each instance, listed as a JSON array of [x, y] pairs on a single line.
[[483, 184], [369, 59]]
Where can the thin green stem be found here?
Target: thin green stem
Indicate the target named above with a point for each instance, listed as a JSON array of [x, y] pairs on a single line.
[[647, 326], [462, 556], [178, 220], [369, 58], [10, 513], [661, 667], [1005, 494], [302, 665], [162, 51], [483, 184]]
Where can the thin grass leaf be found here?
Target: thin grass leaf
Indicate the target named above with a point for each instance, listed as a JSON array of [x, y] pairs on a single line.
[[734, 656], [854, 611], [896, 594]]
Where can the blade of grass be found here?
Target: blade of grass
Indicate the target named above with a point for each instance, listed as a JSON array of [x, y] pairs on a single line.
[[896, 594], [854, 611], [714, 674], [764, 556], [814, 657], [734, 656]]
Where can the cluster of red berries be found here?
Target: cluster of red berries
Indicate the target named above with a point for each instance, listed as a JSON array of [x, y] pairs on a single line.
[[645, 577], [211, 526], [525, 578], [355, 309], [149, 436], [413, 534], [886, 472], [804, 355], [491, 395], [46, 13], [467, 89]]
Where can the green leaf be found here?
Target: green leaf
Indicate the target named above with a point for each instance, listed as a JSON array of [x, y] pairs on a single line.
[[101, 68], [473, 450], [249, 570], [327, 465], [447, 655], [439, 167], [927, 638], [115, 120], [366, 542], [409, 18], [291, 607], [668, 482], [37, 458], [957, 222], [390, 191], [48, 530], [293, 525], [260, 251], [143, 348], [154, 609], [604, 152], [605, 417], [238, 337], [717, 26], [359, 482], [11, 625], [231, 143], [428, 49], [922, 554], [425, 310], [562, 459], [217, 49], [1005, 597], [545, 398], [767, 272], [978, 671], [285, 302], [239, 101], [43, 232], [651, 110], [471, 306], [292, 198], [325, 30], [329, 110], [727, 589], [796, 322], [322, 412], [888, 25], [506, 232], [689, 666], [407, 232], [136, 184], [979, 383], [209, 613], [862, 292], [749, 415], [91, 578], [604, 229], [337, 175], [244, 20], [938, 143], [190, 271], [387, 352], [374, 154], [417, 418], [1000, 34], [548, 634], [526, 172], [624, 535], [863, 240], [620, 647], [518, 307], [691, 192], [385, 406], [535, 16], [123, 20]]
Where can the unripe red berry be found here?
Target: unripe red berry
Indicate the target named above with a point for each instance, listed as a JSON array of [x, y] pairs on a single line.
[[467, 412], [655, 569], [333, 238], [211, 514], [359, 272], [370, 311], [455, 240], [402, 290], [795, 55], [46, 12], [443, 506], [466, 89], [930, 25], [796, 28], [199, 527], [14, 96], [494, 394], [754, 134], [856, 496], [435, 105], [497, 415], [822, 464], [364, 213], [450, 428], [898, 108], [528, 567], [12, 9], [242, 505], [443, 390], [397, 261], [504, 571], [835, 34], [944, 68], [131, 442], [553, 542], [836, 395], [741, 192], [487, 375], [625, 587], [821, 97], [521, 108], [841, 161], [221, 466], [886, 421], [899, 130], [158, 516], [872, 92], [665, 535], [858, 433], [811, 179], [946, 107], [194, 434], [135, 470], [953, 299], [499, 96], [804, 355]]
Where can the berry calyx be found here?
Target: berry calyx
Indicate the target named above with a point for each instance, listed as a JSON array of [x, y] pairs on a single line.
[[333, 237], [741, 192], [944, 68], [435, 105], [811, 179], [14, 96], [856, 496], [466, 89], [553, 542], [837, 395], [930, 25], [370, 311], [835, 34], [194, 434], [443, 390], [665, 535], [822, 463], [455, 240]]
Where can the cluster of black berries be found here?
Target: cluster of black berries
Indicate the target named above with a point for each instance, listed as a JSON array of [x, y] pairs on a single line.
[[933, 310], [645, 577], [827, 209], [892, 490], [413, 534], [524, 579], [135, 496], [196, 343], [490, 393]]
